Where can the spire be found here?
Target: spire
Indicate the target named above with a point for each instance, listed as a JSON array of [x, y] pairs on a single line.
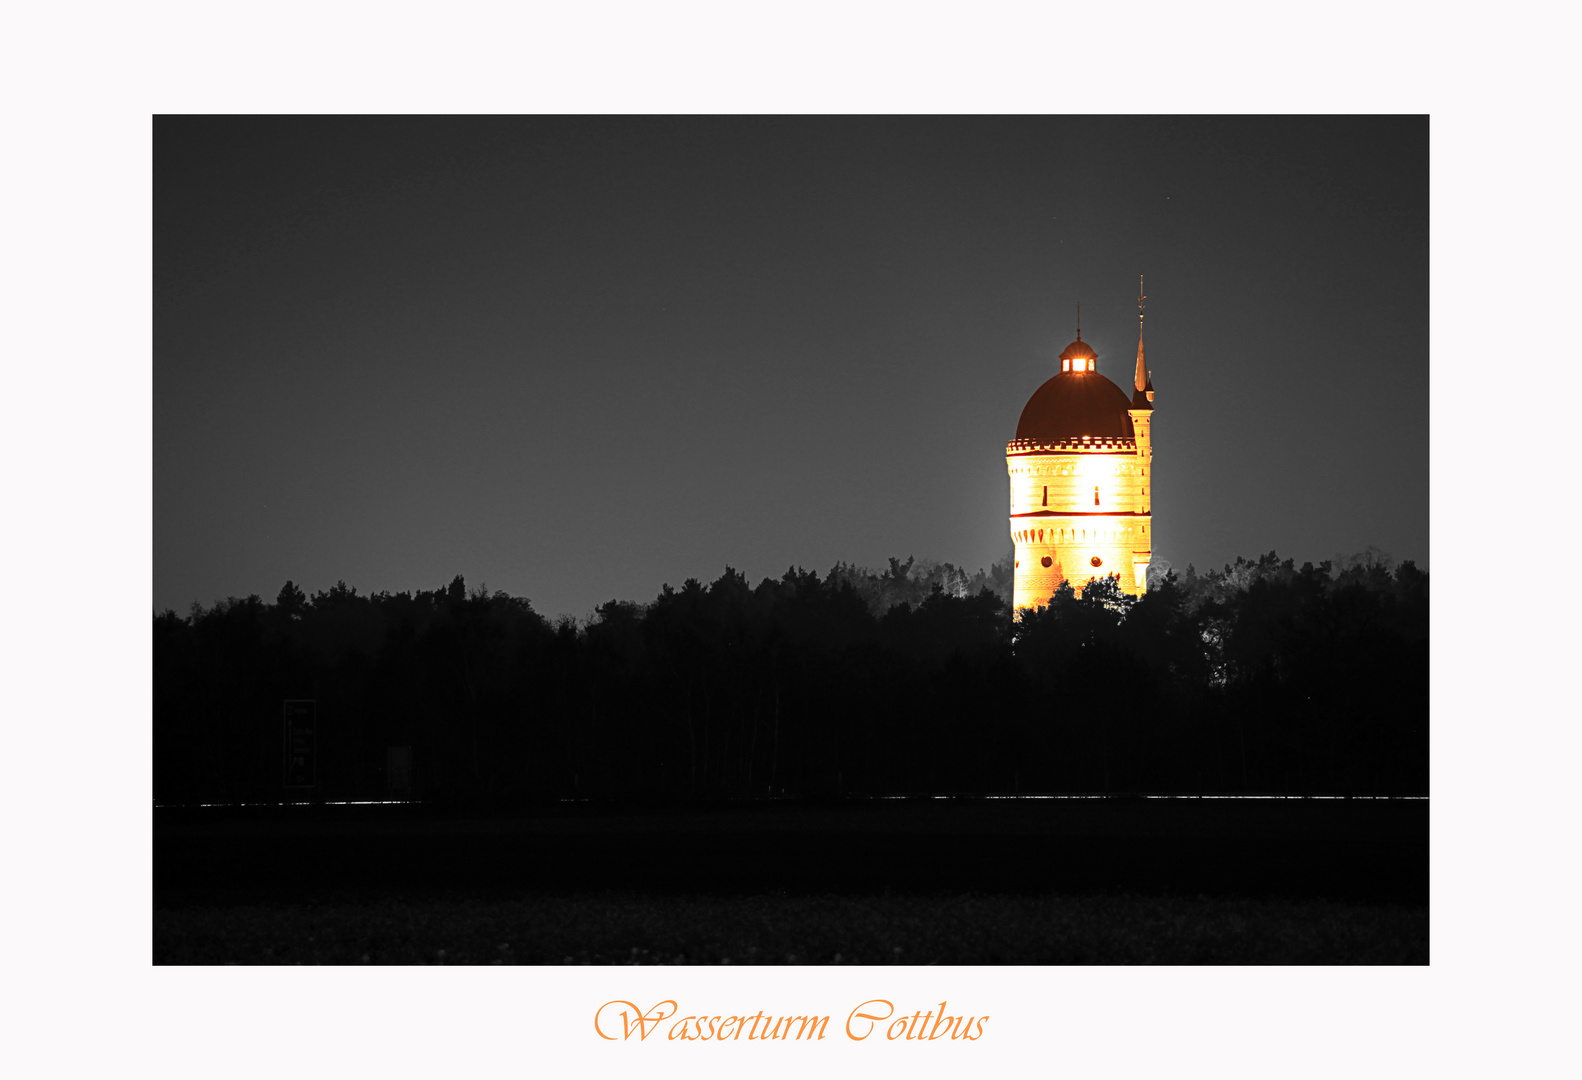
[[1079, 322], [1141, 379]]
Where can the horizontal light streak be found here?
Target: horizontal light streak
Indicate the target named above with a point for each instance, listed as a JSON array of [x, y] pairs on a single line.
[[851, 798]]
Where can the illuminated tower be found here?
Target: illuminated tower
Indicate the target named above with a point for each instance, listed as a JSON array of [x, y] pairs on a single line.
[[1081, 469]]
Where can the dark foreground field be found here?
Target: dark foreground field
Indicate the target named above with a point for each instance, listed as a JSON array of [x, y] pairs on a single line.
[[948, 882], [629, 928]]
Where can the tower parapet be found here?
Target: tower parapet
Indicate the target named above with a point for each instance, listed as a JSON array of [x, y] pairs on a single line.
[[1084, 444]]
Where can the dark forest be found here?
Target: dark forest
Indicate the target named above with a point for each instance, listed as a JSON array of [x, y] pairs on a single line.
[[1261, 677]]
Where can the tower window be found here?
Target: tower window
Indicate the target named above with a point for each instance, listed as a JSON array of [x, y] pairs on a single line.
[[1095, 496], [1046, 494], [1096, 561], [1046, 560]]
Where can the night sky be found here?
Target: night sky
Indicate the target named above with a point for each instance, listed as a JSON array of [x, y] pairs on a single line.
[[577, 358]]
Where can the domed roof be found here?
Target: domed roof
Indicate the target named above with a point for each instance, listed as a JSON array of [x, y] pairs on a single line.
[[1079, 350], [1073, 404]]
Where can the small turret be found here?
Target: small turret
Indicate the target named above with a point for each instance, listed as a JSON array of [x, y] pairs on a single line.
[[1142, 414]]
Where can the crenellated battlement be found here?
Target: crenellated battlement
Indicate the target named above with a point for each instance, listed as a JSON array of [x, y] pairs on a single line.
[[1084, 445]]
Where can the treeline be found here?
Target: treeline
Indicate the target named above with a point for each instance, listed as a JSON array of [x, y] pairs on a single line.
[[1263, 677]]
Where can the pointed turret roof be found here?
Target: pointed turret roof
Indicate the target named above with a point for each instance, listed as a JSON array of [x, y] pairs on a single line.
[[1142, 384]]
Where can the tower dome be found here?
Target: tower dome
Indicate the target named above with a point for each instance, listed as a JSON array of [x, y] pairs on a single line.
[[1076, 402]]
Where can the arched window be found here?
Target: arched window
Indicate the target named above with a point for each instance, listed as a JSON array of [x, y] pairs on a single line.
[[1095, 496]]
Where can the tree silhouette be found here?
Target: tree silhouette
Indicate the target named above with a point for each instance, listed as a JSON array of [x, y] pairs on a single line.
[[1263, 676]]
